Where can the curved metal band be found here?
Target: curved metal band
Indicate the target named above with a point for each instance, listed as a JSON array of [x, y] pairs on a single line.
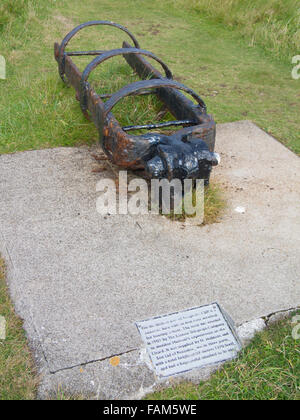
[[107, 55], [147, 84], [122, 51], [78, 28]]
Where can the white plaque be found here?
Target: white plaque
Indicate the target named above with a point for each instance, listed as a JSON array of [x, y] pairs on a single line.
[[189, 339]]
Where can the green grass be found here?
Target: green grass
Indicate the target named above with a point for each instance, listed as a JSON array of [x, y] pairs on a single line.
[[268, 369], [214, 205], [273, 24], [10, 10], [17, 377]]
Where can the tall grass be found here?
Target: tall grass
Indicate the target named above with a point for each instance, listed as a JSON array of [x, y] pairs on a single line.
[[273, 24], [15, 14], [10, 10]]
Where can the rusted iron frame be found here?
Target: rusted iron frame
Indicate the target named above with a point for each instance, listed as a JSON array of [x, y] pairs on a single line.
[[133, 151]]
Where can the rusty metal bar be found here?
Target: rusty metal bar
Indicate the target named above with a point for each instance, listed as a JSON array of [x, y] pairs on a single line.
[[141, 93], [80, 53], [160, 125]]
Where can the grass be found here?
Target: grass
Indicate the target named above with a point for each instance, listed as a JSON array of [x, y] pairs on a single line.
[[214, 205], [10, 10], [272, 24], [268, 369], [17, 377]]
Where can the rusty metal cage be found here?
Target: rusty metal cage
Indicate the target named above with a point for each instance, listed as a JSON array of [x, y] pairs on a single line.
[[187, 153]]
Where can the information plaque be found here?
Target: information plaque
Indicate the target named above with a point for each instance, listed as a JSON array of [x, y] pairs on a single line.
[[189, 339]]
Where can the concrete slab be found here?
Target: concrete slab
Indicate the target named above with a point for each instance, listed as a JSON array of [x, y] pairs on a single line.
[[80, 280]]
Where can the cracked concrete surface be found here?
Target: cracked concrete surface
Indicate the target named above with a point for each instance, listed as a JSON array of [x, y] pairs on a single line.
[[80, 280]]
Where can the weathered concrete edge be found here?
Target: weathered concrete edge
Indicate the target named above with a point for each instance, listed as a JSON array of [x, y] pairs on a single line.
[[246, 332], [271, 135]]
